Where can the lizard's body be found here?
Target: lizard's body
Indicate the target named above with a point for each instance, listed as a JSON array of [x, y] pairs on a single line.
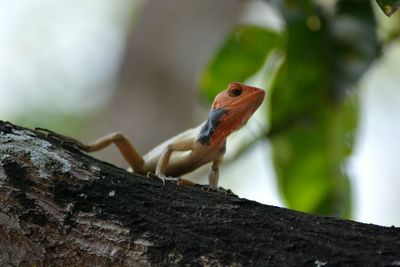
[[182, 162], [195, 147]]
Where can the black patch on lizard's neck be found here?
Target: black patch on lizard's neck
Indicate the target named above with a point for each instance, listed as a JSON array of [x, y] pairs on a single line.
[[212, 122]]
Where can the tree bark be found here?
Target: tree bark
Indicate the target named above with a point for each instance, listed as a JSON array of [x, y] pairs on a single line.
[[59, 206]]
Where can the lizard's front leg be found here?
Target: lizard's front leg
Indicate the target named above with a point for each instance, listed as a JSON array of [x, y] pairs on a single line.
[[164, 160], [214, 174]]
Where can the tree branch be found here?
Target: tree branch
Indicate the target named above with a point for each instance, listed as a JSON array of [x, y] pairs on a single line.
[[59, 206]]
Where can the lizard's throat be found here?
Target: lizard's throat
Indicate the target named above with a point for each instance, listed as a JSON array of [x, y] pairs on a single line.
[[212, 132]]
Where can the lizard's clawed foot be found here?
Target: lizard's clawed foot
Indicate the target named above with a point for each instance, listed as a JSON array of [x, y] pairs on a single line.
[[226, 192], [179, 180], [164, 178], [208, 188]]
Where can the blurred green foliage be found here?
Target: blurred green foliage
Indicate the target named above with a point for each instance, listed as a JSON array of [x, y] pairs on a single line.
[[325, 57], [388, 6], [313, 106], [244, 52]]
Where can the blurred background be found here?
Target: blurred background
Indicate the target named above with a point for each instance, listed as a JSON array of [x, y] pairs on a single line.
[[326, 140]]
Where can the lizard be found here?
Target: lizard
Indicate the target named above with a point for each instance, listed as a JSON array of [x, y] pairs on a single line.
[[193, 148]]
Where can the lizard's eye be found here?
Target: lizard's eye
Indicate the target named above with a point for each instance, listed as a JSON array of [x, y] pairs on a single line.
[[235, 92]]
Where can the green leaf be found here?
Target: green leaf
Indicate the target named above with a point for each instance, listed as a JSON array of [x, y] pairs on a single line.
[[325, 57], [388, 6], [242, 54]]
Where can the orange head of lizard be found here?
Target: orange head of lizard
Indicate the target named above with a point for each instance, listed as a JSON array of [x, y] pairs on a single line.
[[238, 102], [230, 111]]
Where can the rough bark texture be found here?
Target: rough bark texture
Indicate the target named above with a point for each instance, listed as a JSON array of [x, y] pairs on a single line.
[[59, 206]]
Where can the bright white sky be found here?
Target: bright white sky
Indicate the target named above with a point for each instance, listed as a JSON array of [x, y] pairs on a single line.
[[376, 162], [83, 40], [55, 53]]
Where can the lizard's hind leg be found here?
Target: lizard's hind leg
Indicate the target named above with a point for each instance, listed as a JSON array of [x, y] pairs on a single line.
[[128, 151]]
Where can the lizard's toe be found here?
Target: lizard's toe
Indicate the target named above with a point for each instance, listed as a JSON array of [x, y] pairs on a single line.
[[164, 178]]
